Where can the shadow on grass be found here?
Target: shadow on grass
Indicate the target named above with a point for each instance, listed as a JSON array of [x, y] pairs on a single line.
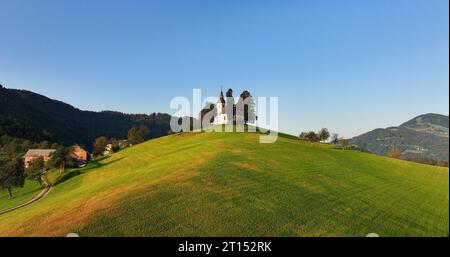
[[75, 172], [66, 176]]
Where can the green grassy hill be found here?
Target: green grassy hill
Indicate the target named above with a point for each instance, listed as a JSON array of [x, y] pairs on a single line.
[[21, 195], [227, 184]]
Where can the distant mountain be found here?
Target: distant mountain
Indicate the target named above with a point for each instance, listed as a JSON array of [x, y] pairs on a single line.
[[424, 136], [28, 115]]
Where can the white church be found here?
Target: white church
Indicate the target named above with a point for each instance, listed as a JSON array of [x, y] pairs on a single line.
[[221, 112]]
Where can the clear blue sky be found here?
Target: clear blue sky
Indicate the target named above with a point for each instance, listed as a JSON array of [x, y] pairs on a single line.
[[350, 66]]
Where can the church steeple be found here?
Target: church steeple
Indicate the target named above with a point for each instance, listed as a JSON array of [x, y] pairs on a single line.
[[221, 99]]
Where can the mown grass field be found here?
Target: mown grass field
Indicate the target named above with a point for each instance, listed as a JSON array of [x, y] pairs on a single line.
[[227, 184]]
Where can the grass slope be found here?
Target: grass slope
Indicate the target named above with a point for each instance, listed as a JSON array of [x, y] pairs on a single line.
[[20, 195], [227, 184]]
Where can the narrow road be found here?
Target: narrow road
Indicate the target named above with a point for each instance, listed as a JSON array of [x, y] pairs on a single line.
[[38, 197]]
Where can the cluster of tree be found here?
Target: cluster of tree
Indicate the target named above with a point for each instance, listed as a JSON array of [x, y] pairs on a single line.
[[20, 129], [247, 104], [99, 145], [137, 134], [62, 158], [396, 153], [342, 142], [428, 161], [16, 147], [322, 136]]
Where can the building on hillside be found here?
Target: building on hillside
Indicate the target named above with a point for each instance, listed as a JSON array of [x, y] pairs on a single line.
[[121, 145], [221, 111], [33, 154], [79, 153], [108, 149], [124, 144]]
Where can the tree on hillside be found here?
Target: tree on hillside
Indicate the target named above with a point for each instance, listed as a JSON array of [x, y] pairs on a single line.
[[138, 134], [230, 107], [44, 145], [246, 108], [209, 106], [302, 136], [229, 93], [394, 153], [310, 136], [36, 169], [99, 146], [26, 145], [11, 175], [115, 145], [13, 148], [324, 134], [344, 143], [62, 158], [335, 139]]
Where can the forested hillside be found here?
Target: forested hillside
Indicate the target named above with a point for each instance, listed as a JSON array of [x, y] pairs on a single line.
[[24, 114], [425, 136]]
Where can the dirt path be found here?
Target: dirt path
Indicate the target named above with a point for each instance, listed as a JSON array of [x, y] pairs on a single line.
[[38, 197]]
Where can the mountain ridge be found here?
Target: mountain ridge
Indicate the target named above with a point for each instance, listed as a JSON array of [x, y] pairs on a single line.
[[425, 135]]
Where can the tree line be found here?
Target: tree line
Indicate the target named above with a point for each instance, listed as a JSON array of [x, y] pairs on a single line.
[[394, 152], [136, 135], [324, 135]]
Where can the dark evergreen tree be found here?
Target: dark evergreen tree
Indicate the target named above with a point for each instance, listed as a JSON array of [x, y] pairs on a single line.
[[230, 106], [246, 104]]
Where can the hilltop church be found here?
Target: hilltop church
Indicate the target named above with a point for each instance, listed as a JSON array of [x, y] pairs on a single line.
[[226, 113], [221, 111]]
